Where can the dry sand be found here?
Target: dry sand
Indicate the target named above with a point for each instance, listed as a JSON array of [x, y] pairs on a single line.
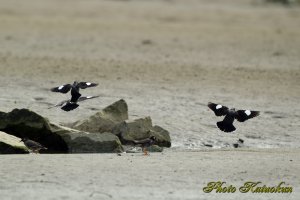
[[180, 175], [167, 59]]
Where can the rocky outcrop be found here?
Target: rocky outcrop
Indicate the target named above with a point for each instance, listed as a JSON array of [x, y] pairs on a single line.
[[25, 123], [103, 132], [11, 145], [105, 120], [58, 139], [142, 128], [114, 119]]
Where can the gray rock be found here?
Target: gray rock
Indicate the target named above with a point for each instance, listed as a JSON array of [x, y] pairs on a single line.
[[58, 139], [135, 130], [17, 117], [11, 145], [105, 120], [162, 135], [140, 129], [84, 142]]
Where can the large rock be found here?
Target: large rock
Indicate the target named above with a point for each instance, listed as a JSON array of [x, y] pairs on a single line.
[[11, 145], [105, 120], [58, 139], [113, 119], [142, 128], [18, 119], [84, 142]]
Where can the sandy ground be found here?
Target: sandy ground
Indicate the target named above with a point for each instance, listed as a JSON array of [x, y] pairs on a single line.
[[180, 175], [167, 59]]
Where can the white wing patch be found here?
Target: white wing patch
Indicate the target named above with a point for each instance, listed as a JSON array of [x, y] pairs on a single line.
[[88, 83], [61, 87], [248, 112], [218, 106], [89, 97]]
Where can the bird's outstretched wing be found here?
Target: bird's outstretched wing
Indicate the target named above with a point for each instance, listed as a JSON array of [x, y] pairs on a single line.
[[84, 85], [59, 104], [62, 89], [70, 102], [69, 106], [218, 109], [243, 115], [86, 98]]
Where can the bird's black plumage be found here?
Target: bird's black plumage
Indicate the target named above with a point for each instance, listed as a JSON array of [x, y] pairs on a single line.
[[62, 89], [219, 110], [68, 105], [145, 142], [74, 89], [230, 115]]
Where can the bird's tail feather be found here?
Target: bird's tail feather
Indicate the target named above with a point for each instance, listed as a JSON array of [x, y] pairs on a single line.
[[226, 127]]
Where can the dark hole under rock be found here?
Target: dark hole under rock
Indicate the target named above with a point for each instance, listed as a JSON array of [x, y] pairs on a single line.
[[7, 149], [25, 123], [54, 143]]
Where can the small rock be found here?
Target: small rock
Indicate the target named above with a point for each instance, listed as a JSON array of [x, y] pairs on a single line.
[[241, 141], [147, 42], [135, 130], [139, 129], [208, 145]]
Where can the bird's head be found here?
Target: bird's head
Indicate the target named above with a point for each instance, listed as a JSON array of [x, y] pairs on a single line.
[[75, 83]]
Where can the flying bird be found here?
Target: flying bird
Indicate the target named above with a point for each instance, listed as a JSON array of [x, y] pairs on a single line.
[[74, 89], [230, 115], [68, 105], [35, 147], [144, 143]]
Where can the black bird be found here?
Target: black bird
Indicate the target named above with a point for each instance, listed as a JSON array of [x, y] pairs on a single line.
[[68, 105], [144, 143], [32, 145], [74, 89], [230, 114]]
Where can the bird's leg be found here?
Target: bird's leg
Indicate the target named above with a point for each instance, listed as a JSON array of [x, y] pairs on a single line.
[[145, 152]]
